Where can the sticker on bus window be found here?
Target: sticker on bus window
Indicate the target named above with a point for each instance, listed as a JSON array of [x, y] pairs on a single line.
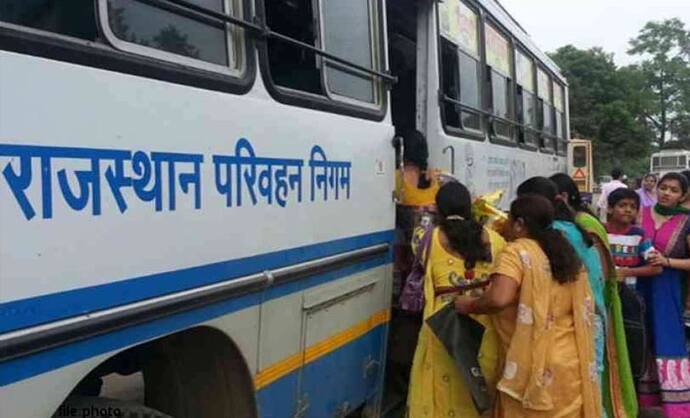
[[459, 25], [497, 51]]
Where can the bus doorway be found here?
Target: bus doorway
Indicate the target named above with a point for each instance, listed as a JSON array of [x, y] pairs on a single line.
[[404, 326], [402, 55]]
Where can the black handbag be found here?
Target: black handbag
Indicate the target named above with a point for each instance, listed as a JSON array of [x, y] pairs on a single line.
[[462, 338]]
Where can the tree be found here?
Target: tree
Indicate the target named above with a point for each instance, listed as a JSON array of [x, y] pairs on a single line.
[[606, 106], [665, 47], [172, 40]]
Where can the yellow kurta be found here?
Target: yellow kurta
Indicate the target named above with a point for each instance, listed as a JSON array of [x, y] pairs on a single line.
[[549, 367], [436, 387], [410, 195]]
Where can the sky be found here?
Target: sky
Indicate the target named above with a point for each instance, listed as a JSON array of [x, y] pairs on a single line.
[[588, 23]]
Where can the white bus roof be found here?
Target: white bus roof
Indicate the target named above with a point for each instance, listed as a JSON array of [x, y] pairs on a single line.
[[671, 152], [503, 17]]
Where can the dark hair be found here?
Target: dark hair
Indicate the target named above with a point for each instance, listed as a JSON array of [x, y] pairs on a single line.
[[416, 151], [464, 235], [686, 174], [567, 185], [538, 214], [677, 177], [616, 173], [648, 175], [547, 189], [623, 193]]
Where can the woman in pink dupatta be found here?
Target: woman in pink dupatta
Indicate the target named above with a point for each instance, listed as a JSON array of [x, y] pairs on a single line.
[[666, 380]]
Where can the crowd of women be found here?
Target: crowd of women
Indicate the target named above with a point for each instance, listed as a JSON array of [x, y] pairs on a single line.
[[552, 287]]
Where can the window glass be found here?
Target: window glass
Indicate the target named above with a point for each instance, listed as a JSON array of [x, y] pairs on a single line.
[[560, 127], [558, 96], [459, 24], [459, 27], [469, 80], [682, 161], [136, 22], [292, 66], [655, 163], [500, 93], [75, 18], [347, 34], [548, 120], [529, 109], [669, 162], [524, 69], [580, 157], [497, 51], [543, 85]]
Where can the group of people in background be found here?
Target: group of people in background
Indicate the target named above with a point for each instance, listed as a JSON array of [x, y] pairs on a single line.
[[581, 318]]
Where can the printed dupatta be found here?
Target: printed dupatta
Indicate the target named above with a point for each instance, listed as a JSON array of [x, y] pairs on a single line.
[[526, 375]]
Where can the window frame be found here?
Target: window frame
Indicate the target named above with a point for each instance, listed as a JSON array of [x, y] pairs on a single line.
[[543, 135], [561, 141], [473, 134], [485, 17], [100, 54], [375, 44], [511, 88], [527, 129], [349, 107], [232, 42]]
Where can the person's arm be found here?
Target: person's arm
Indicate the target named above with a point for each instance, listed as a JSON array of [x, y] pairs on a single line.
[[502, 293], [603, 197], [647, 270], [659, 260]]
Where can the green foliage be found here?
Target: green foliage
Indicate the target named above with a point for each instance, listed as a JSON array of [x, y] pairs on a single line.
[[605, 105], [629, 112], [665, 48]]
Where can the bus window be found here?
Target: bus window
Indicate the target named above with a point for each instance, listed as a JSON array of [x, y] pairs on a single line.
[[347, 30], [546, 114], [290, 65], [655, 163], [559, 105], [526, 99], [499, 68], [682, 161], [72, 18], [339, 17], [188, 38], [461, 69], [149, 26], [579, 156]]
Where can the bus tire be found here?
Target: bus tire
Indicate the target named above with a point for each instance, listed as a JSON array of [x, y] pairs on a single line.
[[91, 406], [198, 373]]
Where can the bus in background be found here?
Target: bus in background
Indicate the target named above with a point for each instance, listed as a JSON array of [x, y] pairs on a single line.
[[669, 160], [198, 193], [580, 165]]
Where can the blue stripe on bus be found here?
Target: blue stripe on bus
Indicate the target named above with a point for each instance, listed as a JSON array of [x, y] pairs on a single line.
[[325, 384], [42, 309], [42, 362]]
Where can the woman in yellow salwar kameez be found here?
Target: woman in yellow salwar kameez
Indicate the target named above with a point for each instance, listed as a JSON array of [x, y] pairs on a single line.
[[543, 311], [460, 253]]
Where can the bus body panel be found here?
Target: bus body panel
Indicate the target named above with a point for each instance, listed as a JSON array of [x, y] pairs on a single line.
[[186, 247], [136, 114]]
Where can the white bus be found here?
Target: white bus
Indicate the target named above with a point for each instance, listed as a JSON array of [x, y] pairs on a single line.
[[199, 193], [669, 160]]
